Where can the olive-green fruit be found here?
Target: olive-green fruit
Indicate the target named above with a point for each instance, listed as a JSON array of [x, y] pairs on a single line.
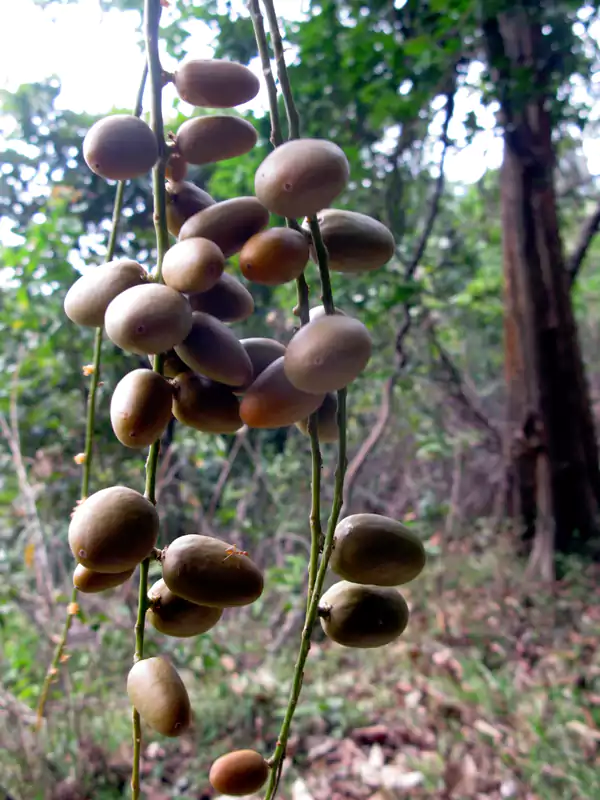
[[228, 224], [175, 616], [184, 199], [213, 350], [355, 615], [204, 140], [272, 401], [194, 265], [274, 256], [158, 694], [215, 83], [148, 319], [210, 572], [140, 408], [301, 177], [113, 530], [172, 364], [355, 242], [239, 773], [319, 311], [176, 168], [89, 582], [228, 300], [120, 147], [370, 548], [205, 405], [262, 352], [326, 420], [88, 298], [327, 354]]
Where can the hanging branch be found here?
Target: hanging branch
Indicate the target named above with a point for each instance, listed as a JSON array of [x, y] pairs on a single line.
[[589, 229]]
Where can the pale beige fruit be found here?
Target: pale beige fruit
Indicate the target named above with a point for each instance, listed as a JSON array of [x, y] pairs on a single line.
[[205, 405], [213, 350], [89, 582], [228, 300], [228, 224], [175, 616], [355, 242], [262, 352], [239, 773], [120, 147], [88, 298], [159, 695], [319, 311], [205, 140], [140, 408], [327, 426], [274, 256], [194, 265], [215, 83], [184, 199]]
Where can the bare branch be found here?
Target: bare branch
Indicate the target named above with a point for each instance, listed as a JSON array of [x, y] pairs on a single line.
[[589, 229]]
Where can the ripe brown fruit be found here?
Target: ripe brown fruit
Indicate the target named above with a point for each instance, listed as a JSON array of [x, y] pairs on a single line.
[[89, 582], [326, 420], [262, 352], [355, 242], [148, 319], [175, 616], [239, 773], [215, 83], [205, 140], [205, 405], [184, 199], [228, 300], [120, 147], [301, 177], [157, 692], [274, 256], [176, 168], [88, 298], [113, 530], [140, 408], [194, 265], [228, 224]]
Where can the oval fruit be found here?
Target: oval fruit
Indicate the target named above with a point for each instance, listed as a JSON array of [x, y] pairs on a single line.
[[205, 140], [228, 224], [148, 319], [301, 177], [184, 199], [88, 298], [213, 350], [89, 582], [207, 571], [113, 530], [205, 405], [172, 364], [140, 408], [215, 83], [120, 147], [176, 168], [326, 420], [157, 692], [239, 773], [262, 352], [272, 401], [362, 616], [319, 311], [274, 256], [327, 354], [355, 242], [194, 265], [175, 616], [228, 300]]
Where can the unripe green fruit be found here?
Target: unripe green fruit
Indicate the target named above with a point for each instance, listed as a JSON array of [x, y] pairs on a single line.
[[215, 83], [89, 582], [205, 140], [157, 692], [88, 298], [175, 616], [140, 408], [239, 773], [120, 147]]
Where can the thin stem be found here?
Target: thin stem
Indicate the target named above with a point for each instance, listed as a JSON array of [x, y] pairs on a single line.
[[263, 51], [284, 81], [323, 259]]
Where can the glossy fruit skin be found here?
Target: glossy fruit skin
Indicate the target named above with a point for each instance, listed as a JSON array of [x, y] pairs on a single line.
[[228, 224], [175, 616], [89, 582], [327, 354], [272, 401], [184, 199], [88, 298], [159, 695], [113, 530], [355, 242], [205, 405], [215, 83], [239, 773], [206, 140], [213, 350], [326, 421], [120, 147], [228, 300], [274, 256], [356, 615], [262, 352], [194, 265], [148, 319], [301, 177], [176, 168], [202, 570], [140, 408]]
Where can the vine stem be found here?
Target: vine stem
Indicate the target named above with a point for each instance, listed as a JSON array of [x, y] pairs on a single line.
[[284, 81]]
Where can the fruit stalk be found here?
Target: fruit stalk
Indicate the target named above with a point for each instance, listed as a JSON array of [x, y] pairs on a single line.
[[284, 81], [323, 259], [263, 52]]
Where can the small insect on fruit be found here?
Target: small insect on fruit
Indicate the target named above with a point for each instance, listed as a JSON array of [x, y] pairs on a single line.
[[233, 551]]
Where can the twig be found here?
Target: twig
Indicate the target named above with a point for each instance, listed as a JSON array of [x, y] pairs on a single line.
[[589, 229], [263, 51], [284, 81]]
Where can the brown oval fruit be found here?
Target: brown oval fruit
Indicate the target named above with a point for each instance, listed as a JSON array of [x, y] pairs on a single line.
[[88, 298], [372, 549], [120, 147], [355, 242], [239, 773], [215, 83], [205, 140], [228, 300], [172, 364], [326, 420], [89, 582], [184, 199], [205, 405], [140, 408], [262, 352], [228, 224], [301, 177], [319, 311], [362, 616], [113, 530], [176, 168], [158, 694], [272, 402], [213, 350], [175, 616], [274, 256], [210, 572], [148, 319], [327, 354], [194, 265]]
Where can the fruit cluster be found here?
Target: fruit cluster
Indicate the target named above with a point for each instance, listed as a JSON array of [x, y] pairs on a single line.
[[216, 383]]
